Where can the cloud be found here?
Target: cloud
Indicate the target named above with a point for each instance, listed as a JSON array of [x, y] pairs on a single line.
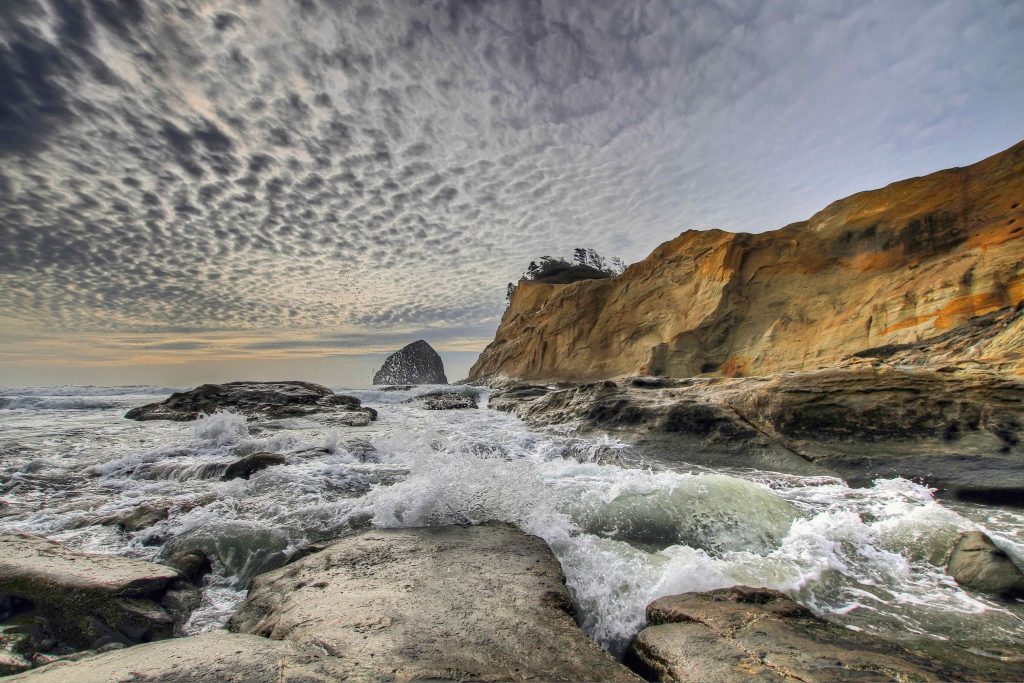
[[378, 168]]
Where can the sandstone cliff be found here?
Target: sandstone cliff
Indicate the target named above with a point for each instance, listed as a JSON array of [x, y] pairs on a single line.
[[877, 272]]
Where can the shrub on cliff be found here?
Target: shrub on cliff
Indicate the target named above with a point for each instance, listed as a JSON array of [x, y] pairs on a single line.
[[587, 264]]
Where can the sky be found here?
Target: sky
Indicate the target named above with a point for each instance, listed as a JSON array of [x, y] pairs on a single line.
[[200, 190]]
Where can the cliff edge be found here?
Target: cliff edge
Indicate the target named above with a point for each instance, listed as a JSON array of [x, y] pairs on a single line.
[[873, 274]]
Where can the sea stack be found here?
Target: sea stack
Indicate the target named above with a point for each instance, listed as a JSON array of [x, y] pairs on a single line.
[[416, 363]]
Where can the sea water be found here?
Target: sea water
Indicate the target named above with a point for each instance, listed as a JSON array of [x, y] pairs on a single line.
[[625, 529]]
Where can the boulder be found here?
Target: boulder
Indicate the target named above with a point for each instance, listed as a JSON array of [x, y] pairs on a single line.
[[251, 464], [744, 634], [269, 400], [84, 600], [216, 657], [417, 363], [977, 563], [482, 603], [192, 563]]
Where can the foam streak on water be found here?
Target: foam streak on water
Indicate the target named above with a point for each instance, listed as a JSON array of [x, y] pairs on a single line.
[[625, 533]]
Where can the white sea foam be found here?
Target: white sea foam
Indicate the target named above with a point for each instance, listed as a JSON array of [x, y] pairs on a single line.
[[221, 428], [85, 390], [56, 403], [868, 558]]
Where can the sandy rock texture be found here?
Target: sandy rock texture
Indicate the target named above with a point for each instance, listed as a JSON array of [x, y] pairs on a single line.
[[885, 268], [217, 657], [976, 562], [741, 634], [454, 603]]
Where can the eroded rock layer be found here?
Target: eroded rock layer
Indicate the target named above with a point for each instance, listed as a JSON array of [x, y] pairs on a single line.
[[960, 430], [886, 268]]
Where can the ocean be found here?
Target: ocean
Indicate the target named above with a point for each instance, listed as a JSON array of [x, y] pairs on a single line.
[[626, 527]]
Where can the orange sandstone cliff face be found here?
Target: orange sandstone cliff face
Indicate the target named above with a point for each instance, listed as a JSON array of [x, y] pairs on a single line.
[[899, 265]]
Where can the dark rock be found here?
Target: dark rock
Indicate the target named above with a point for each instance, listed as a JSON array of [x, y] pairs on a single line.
[[83, 600], [446, 400], [138, 518], [342, 401], [192, 563], [417, 363], [977, 563], [397, 387], [245, 397], [743, 634], [251, 464], [268, 400], [363, 450], [499, 611]]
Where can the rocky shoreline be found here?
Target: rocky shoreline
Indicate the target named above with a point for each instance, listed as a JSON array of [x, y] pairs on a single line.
[[958, 430], [485, 602], [490, 602]]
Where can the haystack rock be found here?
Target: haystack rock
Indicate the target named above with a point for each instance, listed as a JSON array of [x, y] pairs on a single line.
[[875, 273], [417, 363]]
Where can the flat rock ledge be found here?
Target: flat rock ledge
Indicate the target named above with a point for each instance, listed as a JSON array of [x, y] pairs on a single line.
[[960, 430], [744, 634], [268, 400], [484, 602], [54, 601]]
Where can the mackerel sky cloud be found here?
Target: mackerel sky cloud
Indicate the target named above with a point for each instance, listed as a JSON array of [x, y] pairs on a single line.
[[192, 181]]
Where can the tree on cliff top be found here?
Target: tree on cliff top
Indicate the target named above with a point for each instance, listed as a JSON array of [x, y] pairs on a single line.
[[586, 264]]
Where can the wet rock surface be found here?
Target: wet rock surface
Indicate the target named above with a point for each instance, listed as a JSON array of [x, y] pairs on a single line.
[[193, 564], [216, 657], [250, 464], [269, 400], [977, 563], [743, 634], [452, 603], [416, 363], [447, 400], [59, 600], [959, 430]]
